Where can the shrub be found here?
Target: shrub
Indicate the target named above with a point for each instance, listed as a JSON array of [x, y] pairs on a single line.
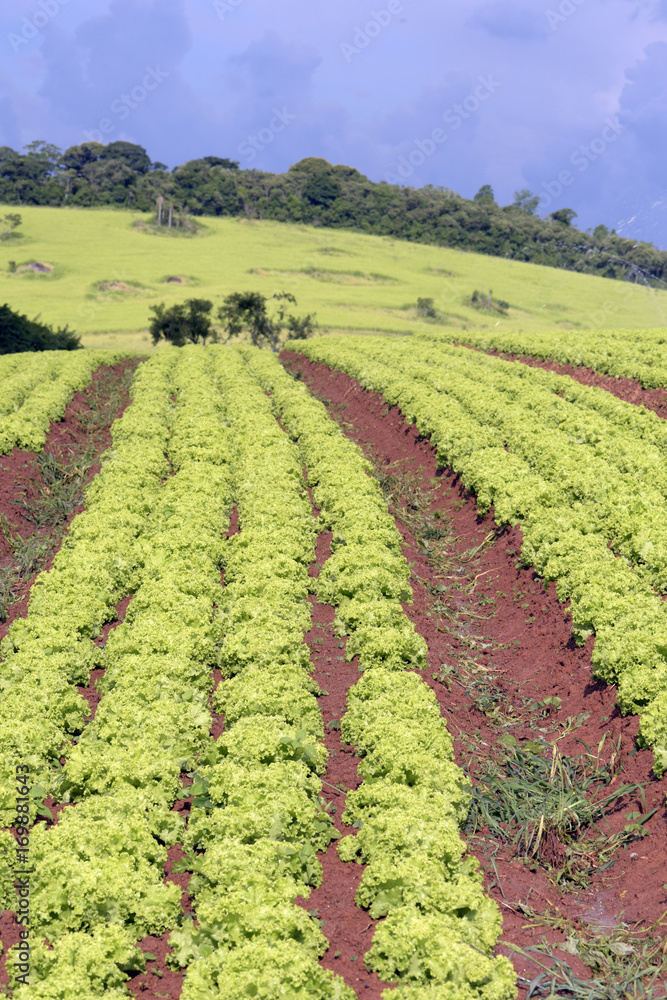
[[18, 333]]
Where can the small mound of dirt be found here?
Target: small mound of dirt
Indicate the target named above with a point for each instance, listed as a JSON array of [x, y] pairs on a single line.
[[175, 280], [113, 286], [35, 267], [120, 288]]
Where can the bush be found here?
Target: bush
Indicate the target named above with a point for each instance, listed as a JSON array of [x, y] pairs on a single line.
[[425, 307], [185, 322], [18, 333]]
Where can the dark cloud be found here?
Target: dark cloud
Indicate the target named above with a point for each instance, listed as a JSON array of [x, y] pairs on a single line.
[[269, 84], [118, 76], [508, 20], [10, 129], [273, 70], [643, 105]]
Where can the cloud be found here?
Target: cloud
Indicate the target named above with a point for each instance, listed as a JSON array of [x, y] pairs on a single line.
[[271, 69], [222, 83], [10, 130], [122, 68], [509, 20], [276, 119]]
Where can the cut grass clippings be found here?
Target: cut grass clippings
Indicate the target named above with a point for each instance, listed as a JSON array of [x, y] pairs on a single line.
[[626, 963]]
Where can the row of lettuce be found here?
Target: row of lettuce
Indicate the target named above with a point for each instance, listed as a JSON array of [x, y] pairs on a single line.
[[98, 880], [201, 435], [636, 354], [36, 388], [579, 470], [438, 937]]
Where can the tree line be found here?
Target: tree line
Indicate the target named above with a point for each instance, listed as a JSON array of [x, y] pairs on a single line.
[[314, 192]]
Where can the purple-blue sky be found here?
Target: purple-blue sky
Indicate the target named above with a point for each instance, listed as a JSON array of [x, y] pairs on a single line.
[[565, 97]]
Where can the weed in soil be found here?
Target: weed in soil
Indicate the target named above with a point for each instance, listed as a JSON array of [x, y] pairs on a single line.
[[546, 804], [625, 963], [7, 591], [543, 802], [49, 500], [29, 555]]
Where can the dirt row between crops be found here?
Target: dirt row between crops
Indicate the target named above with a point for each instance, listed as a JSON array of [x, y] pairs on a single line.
[[22, 479], [348, 929], [629, 390], [530, 655]]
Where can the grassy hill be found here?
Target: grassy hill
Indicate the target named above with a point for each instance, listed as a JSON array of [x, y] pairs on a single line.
[[100, 270]]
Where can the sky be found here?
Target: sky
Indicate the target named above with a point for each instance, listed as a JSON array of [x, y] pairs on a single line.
[[567, 98]]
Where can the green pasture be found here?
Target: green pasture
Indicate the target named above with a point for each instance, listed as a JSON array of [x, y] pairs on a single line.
[[99, 271]]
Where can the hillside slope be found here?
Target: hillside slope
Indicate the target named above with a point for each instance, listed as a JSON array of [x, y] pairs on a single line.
[[100, 270]]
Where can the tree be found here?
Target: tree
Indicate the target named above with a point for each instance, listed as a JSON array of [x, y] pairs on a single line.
[[221, 161], [45, 153], [321, 189], [8, 224], [133, 156], [485, 195], [247, 312], [526, 201], [109, 179], [18, 333], [426, 307], [564, 216], [76, 157], [184, 322]]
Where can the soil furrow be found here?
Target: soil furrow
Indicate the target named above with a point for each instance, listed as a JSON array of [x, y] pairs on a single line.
[[348, 929], [629, 390], [505, 648], [76, 444]]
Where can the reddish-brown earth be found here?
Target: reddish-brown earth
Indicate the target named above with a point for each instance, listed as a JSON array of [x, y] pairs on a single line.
[[21, 476], [21, 468], [348, 929], [531, 655], [627, 389]]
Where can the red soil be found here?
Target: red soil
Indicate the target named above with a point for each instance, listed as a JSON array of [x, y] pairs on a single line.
[[21, 469], [348, 929], [17, 469], [628, 389], [542, 661]]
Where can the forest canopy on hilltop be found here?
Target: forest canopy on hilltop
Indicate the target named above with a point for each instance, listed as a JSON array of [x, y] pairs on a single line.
[[315, 192]]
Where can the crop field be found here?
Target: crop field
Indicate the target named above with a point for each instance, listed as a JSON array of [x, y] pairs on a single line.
[[339, 673], [99, 271]]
